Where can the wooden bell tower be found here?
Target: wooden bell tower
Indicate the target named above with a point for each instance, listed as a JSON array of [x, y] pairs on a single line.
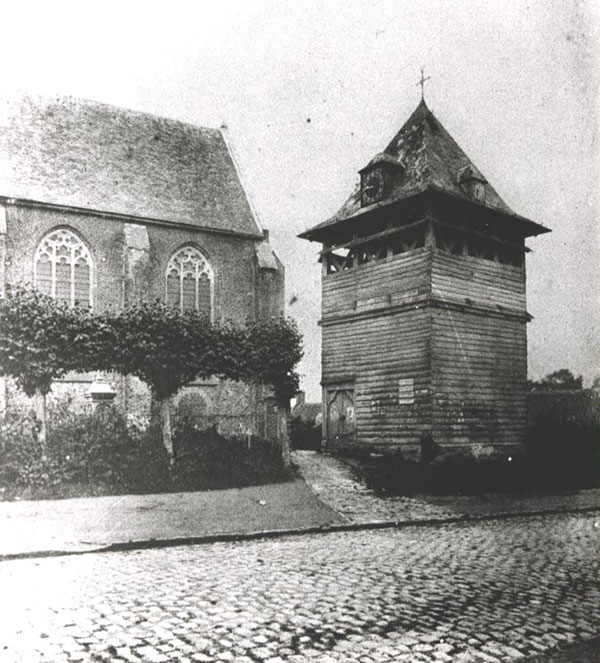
[[424, 314]]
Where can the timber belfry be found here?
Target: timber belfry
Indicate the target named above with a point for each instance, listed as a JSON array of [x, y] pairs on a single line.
[[424, 311]]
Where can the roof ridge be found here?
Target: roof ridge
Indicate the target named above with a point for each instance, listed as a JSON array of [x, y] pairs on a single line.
[[80, 153], [426, 169], [40, 99]]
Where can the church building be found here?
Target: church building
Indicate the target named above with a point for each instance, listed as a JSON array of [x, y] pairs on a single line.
[[102, 206], [423, 305]]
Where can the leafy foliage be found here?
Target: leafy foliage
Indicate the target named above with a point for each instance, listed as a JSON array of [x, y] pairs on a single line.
[[98, 453], [206, 458], [35, 339], [163, 347], [41, 339], [561, 380], [274, 347], [93, 342]]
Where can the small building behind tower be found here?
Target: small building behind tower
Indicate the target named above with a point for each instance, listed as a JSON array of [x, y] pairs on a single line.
[[424, 342]]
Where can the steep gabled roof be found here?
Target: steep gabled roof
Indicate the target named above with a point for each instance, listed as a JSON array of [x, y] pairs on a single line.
[[427, 158], [88, 155], [306, 412]]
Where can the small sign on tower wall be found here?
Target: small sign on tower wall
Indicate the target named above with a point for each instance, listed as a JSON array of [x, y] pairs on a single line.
[[406, 391]]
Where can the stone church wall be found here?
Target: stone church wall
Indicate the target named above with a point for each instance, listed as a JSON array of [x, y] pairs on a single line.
[[125, 273], [129, 264], [234, 409]]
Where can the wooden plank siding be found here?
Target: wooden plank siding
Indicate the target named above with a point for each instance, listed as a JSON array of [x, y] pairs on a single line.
[[403, 274], [479, 375], [379, 352], [456, 325], [457, 278], [365, 338], [479, 363]]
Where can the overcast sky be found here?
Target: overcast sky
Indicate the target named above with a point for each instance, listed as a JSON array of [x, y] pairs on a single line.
[[311, 90]]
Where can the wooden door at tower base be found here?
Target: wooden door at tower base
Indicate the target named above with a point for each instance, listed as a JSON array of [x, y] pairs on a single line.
[[341, 419]]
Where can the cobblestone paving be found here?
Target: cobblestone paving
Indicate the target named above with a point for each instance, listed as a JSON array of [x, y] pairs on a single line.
[[336, 484], [489, 592]]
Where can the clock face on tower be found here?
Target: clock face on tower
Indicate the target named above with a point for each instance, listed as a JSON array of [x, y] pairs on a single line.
[[373, 184]]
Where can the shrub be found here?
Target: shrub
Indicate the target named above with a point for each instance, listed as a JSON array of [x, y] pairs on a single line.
[[305, 434], [96, 451], [99, 453], [565, 454], [20, 450], [205, 458], [398, 476], [563, 437], [560, 458]]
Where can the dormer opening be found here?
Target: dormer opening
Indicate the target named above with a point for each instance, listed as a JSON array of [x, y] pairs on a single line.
[[472, 184], [378, 177]]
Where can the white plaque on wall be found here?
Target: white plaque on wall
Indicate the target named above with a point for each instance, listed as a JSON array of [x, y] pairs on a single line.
[[406, 391]]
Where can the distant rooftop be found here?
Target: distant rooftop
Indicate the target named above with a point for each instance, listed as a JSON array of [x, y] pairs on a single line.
[[84, 154], [306, 412]]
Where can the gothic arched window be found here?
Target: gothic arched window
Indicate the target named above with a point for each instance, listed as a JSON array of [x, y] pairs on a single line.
[[190, 281], [62, 268]]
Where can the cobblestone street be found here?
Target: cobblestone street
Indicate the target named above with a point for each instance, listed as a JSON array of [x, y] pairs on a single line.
[[491, 591], [338, 486]]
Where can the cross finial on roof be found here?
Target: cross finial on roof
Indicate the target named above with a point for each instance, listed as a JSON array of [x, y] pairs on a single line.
[[422, 82]]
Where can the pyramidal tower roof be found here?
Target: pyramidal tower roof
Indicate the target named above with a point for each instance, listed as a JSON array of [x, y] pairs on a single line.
[[433, 159], [427, 159]]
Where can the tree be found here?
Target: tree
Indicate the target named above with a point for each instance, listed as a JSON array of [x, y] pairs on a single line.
[[274, 348], [41, 339], [36, 341], [561, 380], [168, 349], [164, 348]]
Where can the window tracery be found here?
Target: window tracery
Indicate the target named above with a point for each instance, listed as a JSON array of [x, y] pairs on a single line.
[[63, 268], [189, 281]]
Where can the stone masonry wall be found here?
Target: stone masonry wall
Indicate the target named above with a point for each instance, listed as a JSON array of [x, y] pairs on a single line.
[[232, 258], [129, 264]]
